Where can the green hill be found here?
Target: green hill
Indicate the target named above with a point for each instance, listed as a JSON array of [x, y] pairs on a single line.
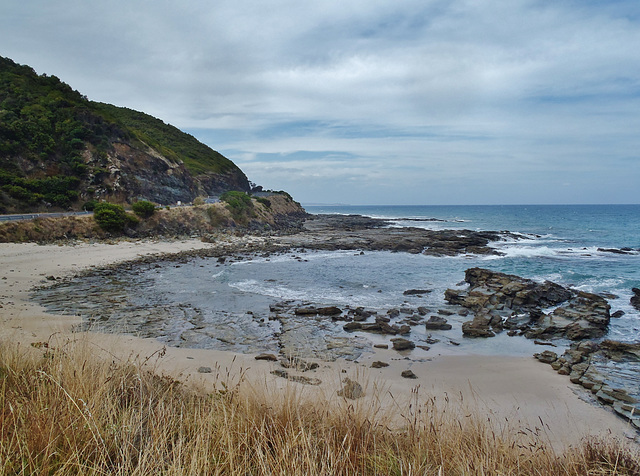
[[58, 150]]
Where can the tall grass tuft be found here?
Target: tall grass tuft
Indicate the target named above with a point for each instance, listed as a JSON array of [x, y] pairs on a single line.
[[66, 410]]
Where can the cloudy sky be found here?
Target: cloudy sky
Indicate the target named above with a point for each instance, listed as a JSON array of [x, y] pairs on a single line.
[[369, 101]]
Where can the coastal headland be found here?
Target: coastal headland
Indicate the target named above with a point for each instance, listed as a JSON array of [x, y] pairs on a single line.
[[510, 389]]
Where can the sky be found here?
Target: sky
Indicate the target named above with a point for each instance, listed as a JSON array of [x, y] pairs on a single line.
[[369, 101]]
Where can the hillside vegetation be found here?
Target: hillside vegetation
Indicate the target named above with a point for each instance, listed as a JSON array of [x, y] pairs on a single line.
[[280, 214], [58, 150]]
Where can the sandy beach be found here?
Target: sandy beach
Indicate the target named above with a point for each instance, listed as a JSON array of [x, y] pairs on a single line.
[[519, 391]]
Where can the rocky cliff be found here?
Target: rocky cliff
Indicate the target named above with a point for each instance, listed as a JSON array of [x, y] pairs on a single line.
[[59, 150]]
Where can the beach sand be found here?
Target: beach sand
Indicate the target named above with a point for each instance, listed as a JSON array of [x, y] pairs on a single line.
[[515, 391]]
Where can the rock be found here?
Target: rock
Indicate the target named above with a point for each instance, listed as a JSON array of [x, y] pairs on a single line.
[[352, 326], [423, 311], [393, 313], [402, 344], [408, 374], [539, 342], [413, 292], [351, 389], [437, 323], [381, 346], [329, 311], [360, 314], [204, 370], [617, 314], [635, 299], [268, 357], [306, 311], [546, 357], [478, 327], [445, 312], [296, 378], [378, 364], [577, 315]]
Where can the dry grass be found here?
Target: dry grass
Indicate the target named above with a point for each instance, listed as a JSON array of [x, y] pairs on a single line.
[[64, 410]]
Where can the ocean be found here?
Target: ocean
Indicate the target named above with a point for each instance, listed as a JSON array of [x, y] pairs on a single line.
[[209, 304]]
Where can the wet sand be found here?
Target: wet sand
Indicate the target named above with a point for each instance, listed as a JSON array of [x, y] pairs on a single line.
[[516, 390]]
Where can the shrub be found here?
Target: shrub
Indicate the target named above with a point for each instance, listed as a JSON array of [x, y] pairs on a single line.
[[238, 203], [90, 205], [143, 208], [110, 217], [265, 201]]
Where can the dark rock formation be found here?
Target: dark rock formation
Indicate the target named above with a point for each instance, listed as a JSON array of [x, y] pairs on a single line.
[[502, 300], [354, 232], [414, 292]]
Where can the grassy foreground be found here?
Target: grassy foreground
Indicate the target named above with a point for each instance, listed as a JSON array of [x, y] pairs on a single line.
[[66, 410]]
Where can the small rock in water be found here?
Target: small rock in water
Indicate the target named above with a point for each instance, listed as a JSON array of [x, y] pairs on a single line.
[[414, 292], [540, 342]]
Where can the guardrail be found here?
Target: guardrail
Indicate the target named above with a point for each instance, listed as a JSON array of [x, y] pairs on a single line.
[[31, 216]]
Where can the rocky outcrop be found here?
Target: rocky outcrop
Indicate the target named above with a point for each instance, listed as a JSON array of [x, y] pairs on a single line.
[[330, 232], [501, 300], [610, 370]]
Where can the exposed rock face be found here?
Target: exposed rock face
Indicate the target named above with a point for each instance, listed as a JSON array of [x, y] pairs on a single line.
[[610, 370], [503, 300]]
